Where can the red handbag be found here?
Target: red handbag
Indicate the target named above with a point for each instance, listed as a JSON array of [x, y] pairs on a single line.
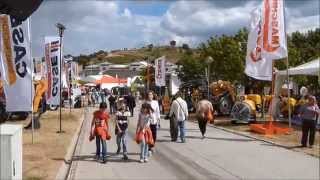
[[149, 137], [139, 137], [209, 116]]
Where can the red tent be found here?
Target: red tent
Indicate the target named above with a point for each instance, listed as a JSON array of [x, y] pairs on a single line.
[[109, 79]]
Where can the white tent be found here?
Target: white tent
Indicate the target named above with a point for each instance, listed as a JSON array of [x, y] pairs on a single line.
[[309, 68]]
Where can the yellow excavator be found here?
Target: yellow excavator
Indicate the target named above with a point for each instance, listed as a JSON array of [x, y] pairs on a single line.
[[40, 88]]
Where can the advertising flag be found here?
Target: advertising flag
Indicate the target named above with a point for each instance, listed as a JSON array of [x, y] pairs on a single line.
[[16, 64], [274, 42], [256, 66], [52, 58], [160, 71]]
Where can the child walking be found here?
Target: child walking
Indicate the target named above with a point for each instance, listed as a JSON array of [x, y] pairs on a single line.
[[121, 130], [143, 126], [100, 130]]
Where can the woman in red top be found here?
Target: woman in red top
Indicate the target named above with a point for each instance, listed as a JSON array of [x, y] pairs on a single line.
[[100, 129]]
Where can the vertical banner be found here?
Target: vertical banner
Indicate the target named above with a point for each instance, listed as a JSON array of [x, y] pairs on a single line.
[[274, 45], [74, 70], [16, 64], [52, 58], [160, 71], [256, 66]]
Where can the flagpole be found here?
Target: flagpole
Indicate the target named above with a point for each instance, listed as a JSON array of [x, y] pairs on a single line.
[[287, 66], [32, 117]]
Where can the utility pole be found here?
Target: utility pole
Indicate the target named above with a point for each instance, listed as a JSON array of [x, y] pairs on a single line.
[[61, 29], [209, 60]]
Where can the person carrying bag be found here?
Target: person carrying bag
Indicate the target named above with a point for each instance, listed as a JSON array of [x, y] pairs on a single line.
[[178, 110]]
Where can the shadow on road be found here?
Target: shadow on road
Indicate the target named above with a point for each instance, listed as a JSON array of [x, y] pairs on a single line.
[[111, 158], [163, 140], [216, 138], [187, 130]]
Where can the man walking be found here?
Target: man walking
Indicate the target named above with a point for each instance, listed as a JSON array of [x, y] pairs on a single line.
[[131, 103], [204, 114], [112, 104], [179, 112]]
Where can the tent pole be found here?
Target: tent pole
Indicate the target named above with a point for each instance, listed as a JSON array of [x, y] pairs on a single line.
[[288, 88]]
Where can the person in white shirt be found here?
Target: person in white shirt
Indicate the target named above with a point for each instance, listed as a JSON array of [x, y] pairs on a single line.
[[155, 117], [179, 110]]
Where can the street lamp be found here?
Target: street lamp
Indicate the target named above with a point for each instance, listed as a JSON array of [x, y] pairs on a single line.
[[61, 29], [209, 60]]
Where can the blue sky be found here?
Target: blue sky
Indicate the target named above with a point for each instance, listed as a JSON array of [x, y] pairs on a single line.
[[107, 25]]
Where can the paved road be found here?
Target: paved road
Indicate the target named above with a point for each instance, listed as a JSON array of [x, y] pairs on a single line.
[[222, 155]]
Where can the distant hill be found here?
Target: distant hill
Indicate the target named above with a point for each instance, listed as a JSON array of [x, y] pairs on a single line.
[[173, 55]]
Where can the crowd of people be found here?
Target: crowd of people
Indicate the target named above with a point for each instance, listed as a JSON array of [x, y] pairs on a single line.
[[148, 122]]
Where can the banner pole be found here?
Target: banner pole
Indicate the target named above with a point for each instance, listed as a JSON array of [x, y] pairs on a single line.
[[60, 109], [287, 64], [32, 117]]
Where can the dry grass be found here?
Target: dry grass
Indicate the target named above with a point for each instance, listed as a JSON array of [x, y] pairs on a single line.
[[291, 141], [42, 159]]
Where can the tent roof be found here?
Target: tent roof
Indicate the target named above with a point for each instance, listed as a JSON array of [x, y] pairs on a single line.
[[110, 79], [309, 68]]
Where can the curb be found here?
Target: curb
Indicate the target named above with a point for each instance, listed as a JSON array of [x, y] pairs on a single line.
[[65, 166], [256, 138]]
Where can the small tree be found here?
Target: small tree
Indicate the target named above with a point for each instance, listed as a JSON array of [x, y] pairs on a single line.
[[173, 43], [150, 47], [185, 46]]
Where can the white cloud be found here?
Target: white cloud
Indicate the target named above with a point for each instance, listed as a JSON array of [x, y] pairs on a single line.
[[96, 25], [303, 24]]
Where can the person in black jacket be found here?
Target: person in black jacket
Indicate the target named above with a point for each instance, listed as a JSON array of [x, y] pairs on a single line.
[[112, 103], [131, 103]]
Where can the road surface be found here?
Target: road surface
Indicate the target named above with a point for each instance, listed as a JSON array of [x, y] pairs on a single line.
[[222, 155]]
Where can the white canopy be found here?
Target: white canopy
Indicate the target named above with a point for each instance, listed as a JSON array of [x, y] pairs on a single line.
[[309, 68]]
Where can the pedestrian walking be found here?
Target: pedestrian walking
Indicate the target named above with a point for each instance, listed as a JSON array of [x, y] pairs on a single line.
[[204, 114], [173, 123], [309, 114], [121, 130], [112, 103], [179, 110], [93, 98], [155, 117], [100, 131], [102, 95], [143, 131], [131, 103]]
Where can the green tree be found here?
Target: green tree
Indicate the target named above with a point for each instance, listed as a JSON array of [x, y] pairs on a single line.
[[191, 68], [228, 56]]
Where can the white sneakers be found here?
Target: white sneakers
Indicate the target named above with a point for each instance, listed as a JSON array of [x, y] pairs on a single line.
[[144, 160]]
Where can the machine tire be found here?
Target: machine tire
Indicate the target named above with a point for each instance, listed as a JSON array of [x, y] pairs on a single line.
[[241, 111], [53, 107]]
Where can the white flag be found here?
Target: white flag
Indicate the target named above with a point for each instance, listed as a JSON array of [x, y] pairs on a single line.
[[16, 64], [160, 71], [52, 58], [257, 66], [274, 45]]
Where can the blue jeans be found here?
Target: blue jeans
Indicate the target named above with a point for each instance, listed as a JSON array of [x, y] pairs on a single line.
[[182, 130], [144, 150], [104, 147], [122, 137]]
